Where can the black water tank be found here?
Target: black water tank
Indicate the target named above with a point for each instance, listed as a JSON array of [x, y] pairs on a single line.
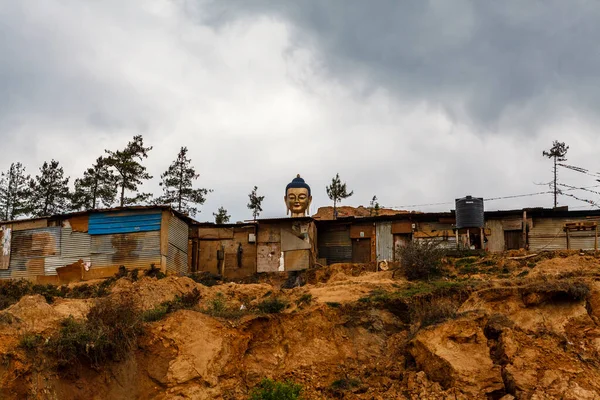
[[469, 212]]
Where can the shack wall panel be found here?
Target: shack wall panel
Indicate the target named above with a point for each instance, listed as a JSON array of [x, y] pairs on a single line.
[[177, 260], [51, 263], [124, 222], [335, 245], [268, 255], [296, 260], [79, 223], [207, 260], [385, 241], [269, 234], [215, 233], [496, 238], [34, 243], [75, 244], [27, 225], [132, 250], [5, 240], [547, 234], [400, 240], [361, 231], [290, 241], [401, 227], [178, 233]]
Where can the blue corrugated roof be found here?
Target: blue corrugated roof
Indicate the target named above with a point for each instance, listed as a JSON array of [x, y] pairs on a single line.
[[108, 223]]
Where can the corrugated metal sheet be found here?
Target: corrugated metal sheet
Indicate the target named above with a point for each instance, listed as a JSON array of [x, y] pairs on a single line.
[[35, 243], [75, 244], [335, 246], [29, 248], [385, 241], [178, 233], [178, 245], [133, 250], [443, 242], [177, 260], [51, 263], [547, 234], [110, 223]]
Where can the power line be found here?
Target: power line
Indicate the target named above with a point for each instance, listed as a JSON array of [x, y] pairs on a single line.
[[511, 197], [580, 170]]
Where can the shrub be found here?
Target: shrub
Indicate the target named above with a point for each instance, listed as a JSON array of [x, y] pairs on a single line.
[[421, 259], [108, 334], [305, 299], [30, 341], [206, 278], [154, 272], [269, 389], [333, 304], [155, 314], [272, 306], [432, 311], [345, 384], [219, 308], [185, 301]]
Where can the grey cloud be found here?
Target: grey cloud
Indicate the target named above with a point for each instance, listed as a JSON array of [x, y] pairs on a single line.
[[481, 61]]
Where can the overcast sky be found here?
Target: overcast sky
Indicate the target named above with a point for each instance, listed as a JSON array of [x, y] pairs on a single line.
[[416, 102]]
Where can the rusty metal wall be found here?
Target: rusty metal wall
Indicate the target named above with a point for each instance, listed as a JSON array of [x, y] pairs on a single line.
[[177, 260], [385, 241], [133, 250], [74, 246], [29, 249], [178, 245], [335, 245]]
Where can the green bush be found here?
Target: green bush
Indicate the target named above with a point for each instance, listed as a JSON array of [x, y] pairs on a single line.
[[30, 341], [206, 278], [108, 334], [333, 304], [269, 389], [154, 272], [185, 301], [305, 299], [219, 308], [421, 259], [155, 314], [272, 306]]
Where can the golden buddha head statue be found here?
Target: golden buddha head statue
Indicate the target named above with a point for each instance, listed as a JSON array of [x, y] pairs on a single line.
[[297, 197]]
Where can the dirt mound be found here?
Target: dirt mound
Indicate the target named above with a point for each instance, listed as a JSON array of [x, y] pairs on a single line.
[[340, 335]]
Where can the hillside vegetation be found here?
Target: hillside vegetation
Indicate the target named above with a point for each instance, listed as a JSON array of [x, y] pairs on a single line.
[[482, 327]]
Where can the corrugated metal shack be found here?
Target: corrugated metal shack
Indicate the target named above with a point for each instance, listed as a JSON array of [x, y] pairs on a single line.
[[98, 241], [374, 239], [540, 229], [225, 249], [265, 245]]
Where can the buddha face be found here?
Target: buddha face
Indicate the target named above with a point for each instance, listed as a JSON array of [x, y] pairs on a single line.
[[297, 201]]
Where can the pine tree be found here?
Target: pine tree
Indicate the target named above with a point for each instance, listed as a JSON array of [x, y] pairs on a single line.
[[337, 192], [374, 207], [98, 186], [558, 151], [13, 192], [49, 191], [255, 202], [130, 172], [177, 185], [221, 217]]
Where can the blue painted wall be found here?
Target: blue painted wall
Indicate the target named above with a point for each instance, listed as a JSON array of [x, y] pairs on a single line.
[[108, 223]]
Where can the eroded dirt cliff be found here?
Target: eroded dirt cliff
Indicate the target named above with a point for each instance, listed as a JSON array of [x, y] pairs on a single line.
[[493, 331]]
